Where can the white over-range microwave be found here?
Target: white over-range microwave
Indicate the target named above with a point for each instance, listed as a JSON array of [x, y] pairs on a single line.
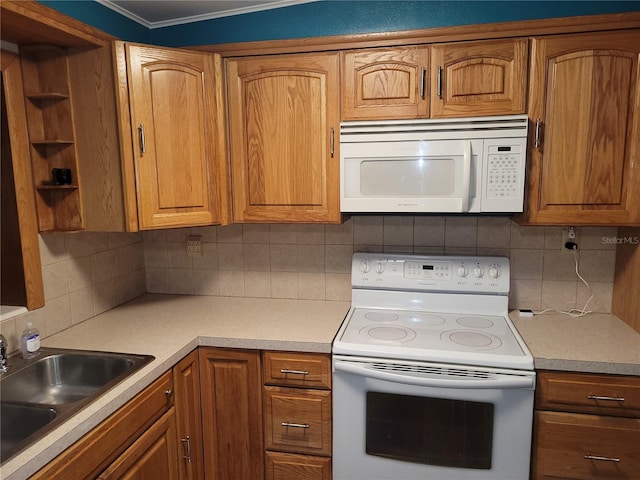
[[465, 165]]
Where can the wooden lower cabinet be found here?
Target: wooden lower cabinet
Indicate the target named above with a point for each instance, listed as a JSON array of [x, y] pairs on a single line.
[[291, 466], [231, 414], [586, 427], [297, 415], [152, 457], [186, 381], [95, 452]]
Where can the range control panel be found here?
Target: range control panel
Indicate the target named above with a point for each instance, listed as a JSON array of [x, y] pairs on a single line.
[[474, 274]]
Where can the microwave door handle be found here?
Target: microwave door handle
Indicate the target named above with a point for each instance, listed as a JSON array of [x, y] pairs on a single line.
[[466, 176], [497, 381]]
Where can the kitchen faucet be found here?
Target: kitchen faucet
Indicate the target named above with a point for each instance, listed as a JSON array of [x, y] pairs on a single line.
[[3, 354]]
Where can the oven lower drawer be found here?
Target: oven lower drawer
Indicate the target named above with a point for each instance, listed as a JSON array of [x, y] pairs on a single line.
[[391, 423]]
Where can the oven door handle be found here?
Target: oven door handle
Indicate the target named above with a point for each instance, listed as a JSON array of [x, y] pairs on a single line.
[[496, 381]]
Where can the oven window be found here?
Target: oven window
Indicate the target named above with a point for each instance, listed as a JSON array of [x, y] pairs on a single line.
[[433, 431]]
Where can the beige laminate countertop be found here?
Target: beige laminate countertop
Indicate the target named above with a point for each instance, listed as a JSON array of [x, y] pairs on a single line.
[[170, 326], [595, 343]]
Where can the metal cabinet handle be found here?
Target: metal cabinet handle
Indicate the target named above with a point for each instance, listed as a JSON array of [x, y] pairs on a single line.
[[610, 399], [439, 82], [187, 446], [295, 425], [602, 459], [168, 392], [423, 77], [143, 145], [295, 372], [331, 142], [538, 141]]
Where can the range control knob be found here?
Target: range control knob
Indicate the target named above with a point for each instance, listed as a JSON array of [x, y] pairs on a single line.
[[380, 267], [478, 272], [364, 266], [462, 271], [494, 271]]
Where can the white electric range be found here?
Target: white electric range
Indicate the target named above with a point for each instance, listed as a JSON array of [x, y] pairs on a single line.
[[431, 378]]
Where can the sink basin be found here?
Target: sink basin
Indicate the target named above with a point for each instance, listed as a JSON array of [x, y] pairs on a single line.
[[64, 378], [19, 422], [39, 394]]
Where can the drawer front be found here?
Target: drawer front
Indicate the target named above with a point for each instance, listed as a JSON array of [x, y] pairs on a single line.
[[601, 394], [298, 420], [291, 466], [309, 370], [579, 446]]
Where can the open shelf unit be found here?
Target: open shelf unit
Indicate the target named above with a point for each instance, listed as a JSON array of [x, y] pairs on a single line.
[[52, 136]]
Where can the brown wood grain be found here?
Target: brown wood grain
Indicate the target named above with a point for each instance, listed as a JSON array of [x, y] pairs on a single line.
[[186, 382], [585, 91], [626, 301], [317, 366], [298, 406], [480, 78], [291, 466], [231, 414], [385, 83]]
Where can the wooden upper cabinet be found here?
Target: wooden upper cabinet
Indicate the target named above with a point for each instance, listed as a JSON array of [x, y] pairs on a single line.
[[479, 78], [175, 130], [585, 99], [385, 83], [284, 128]]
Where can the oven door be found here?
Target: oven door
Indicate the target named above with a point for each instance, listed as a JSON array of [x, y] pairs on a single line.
[[411, 176], [413, 421]]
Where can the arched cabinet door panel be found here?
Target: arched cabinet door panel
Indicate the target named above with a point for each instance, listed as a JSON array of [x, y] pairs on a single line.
[[584, 105]]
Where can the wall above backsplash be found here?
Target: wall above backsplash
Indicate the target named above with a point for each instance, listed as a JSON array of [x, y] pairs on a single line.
[[314, 261]]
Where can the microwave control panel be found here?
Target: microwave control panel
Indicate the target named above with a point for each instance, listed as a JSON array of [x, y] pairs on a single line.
[[504, 171]]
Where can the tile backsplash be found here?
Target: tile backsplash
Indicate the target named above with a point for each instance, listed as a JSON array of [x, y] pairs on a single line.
[[86, 274], [314, 261]]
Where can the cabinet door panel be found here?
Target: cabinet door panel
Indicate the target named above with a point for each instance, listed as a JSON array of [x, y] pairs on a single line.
[[284, 138], [152, 457], [186, 382], [172, 113], [584, 91], [385, 84], [231, 414], [479, 78]]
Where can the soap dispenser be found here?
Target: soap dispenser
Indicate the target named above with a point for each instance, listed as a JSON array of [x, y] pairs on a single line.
[[30, 341]]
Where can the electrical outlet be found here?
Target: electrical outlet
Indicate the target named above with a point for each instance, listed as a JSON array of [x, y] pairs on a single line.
[[194, 246], [569, 236]]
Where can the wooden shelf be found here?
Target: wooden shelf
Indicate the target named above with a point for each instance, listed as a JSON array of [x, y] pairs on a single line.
[[47, 96], [56, 187], [51, 135]]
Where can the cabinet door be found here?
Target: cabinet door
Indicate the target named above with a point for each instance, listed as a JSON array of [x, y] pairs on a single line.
[[152, 457], [290, 466], [584, 95], [175, 116], [388, 83], [231, 414], [479, 78], [186, 381], [284, 120]]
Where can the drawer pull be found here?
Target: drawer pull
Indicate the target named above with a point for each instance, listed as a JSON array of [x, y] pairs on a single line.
[[294, 372], [295, 425], [602, 459], [610, 399]]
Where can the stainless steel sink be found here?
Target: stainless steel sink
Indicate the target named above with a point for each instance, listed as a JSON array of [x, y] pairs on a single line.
[[38, 394]]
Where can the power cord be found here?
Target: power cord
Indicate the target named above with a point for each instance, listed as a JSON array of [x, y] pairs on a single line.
[[574, 312]]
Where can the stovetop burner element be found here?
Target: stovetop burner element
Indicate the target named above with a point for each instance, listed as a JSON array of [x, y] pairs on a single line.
[[381, 316], [476, 340], [389, 333], [474, 322]]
